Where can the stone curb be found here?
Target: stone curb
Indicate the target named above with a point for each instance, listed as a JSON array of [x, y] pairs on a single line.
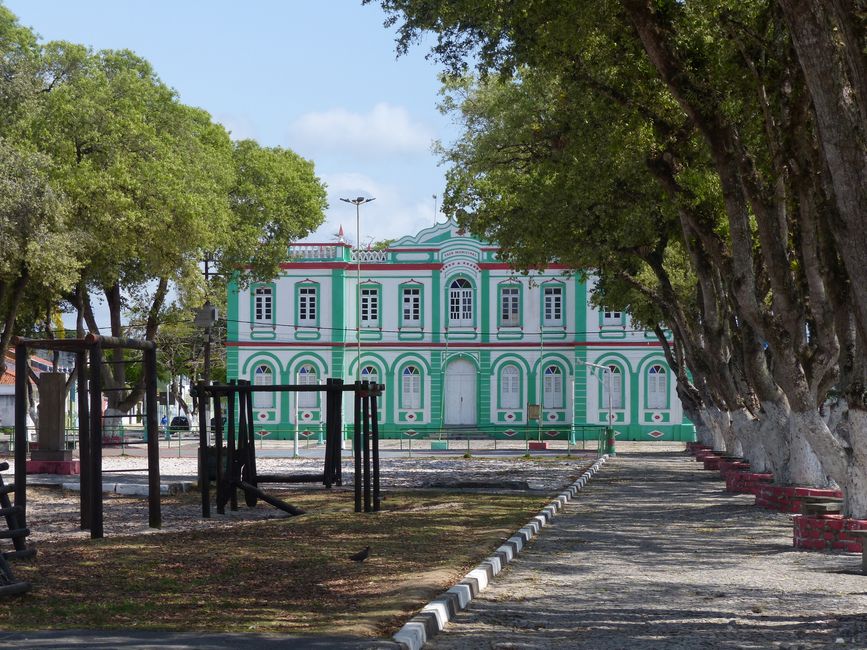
[[133, 489], [434, 616]]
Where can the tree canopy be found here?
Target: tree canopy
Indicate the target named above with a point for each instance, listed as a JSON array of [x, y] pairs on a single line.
[[115, 190], [693, 156]]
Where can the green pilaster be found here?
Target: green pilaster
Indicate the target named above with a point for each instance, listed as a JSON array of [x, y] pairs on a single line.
[[338, 322], [436, 387], [580, 311], [634, 423], [436, 317], [233, 317], [579, 412], [485, 306], [484, 405], [579, 416], [338, 305]]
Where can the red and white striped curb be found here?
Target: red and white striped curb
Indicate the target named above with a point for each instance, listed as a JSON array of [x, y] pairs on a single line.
[[434, 616]]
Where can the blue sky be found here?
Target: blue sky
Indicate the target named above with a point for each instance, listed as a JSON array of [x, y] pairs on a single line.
[[318, 76]]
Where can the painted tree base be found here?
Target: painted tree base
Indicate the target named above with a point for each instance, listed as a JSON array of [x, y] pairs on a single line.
[[789, 498], [64, 467], [826, 533], [740, 482]]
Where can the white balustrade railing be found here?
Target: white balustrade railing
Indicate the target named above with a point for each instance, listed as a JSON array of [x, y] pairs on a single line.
[[369, 256], [313, 251]]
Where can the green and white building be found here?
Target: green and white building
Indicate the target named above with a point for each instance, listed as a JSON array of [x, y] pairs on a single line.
[[458, 338]]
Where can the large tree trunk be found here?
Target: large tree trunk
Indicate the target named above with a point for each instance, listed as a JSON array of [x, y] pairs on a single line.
[[748, 430], [827, 40], [717, 421], [773, 427], [855, 484], [804, 466]]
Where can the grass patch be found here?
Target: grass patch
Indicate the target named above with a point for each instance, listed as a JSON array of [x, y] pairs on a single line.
[[287, 575]]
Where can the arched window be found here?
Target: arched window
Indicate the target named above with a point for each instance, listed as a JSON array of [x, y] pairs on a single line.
[[510, 387], [612, 383], [370, 373], [263, 376], [657, 388], [460, 303], [307, 377], [410, 388], [553, 389]]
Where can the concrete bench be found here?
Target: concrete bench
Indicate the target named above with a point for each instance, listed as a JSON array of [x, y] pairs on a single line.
[[862, 536]]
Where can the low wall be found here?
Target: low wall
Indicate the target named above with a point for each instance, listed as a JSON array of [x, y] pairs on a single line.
[[826, 532], [740, 482], [788, 498]]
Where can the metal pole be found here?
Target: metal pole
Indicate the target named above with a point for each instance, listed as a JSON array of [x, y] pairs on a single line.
[[365, 428], [204, 479], [356, 445], [21, 380], [358, 289], [357, 202], [152, 424], [83, 439], [96, 442], [375, 434]]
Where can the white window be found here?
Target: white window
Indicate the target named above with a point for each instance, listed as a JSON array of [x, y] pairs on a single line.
[[657, 388], [307, 377], [307, 306], [510, 387], [553, 306], [612, 318], [612, 383], [510, 309], [263, 376], [553, 389], [410, 388], [369, 306], [411, 307], [263, 307], [460, 303]]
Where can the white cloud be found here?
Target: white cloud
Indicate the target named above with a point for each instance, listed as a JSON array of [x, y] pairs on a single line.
[[390, 216], [385, 130]]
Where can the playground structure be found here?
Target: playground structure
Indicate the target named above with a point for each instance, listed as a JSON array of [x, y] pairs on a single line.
[[89, 367], [236, 462], [9, 585]]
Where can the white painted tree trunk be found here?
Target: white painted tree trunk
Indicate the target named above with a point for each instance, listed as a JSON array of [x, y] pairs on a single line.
[[716, 420], [804, 467], [748, 430], [773, 429], [703, 433], [844, 453], [855, 485], [112, 425], [734, 447]]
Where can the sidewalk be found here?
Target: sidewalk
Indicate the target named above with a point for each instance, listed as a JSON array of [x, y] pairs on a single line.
[[653, 554]]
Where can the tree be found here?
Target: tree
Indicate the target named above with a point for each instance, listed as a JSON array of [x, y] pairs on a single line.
[[275, 198], [759, 217], [39, 261]]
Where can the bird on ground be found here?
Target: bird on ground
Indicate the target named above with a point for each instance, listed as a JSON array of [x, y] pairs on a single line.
[[361, 556]]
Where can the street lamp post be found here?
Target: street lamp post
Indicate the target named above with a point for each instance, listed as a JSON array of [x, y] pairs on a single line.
[[610, 429], [358, 202]]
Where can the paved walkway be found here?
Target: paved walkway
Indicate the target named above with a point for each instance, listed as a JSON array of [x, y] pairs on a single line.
[[653, 554]]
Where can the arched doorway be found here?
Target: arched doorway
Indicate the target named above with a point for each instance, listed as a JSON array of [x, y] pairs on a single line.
[[460, 394]]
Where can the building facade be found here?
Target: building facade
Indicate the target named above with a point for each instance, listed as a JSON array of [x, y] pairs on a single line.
[[460, 341]]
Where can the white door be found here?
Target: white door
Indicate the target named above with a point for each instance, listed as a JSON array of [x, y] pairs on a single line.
[[460, 393]]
